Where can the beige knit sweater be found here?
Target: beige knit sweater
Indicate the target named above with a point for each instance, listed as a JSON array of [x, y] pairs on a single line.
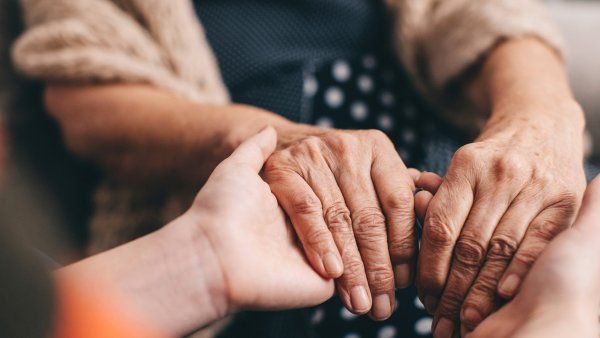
[[162, 43]]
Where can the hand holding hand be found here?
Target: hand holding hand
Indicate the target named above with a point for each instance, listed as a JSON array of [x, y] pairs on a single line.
[[502, 200], [560, 296], [260, 265]]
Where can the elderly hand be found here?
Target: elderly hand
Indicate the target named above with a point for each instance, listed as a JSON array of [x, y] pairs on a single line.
[[502, 200], [350, 199], [560, 296], [259, 262]]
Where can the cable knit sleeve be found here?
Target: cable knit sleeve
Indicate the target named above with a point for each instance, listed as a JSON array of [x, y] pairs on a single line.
[[438, 40], [98, 41]]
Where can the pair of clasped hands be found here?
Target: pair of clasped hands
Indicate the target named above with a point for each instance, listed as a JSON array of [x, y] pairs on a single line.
[[351, 203]]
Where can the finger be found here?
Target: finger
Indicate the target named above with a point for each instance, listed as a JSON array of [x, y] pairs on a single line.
[[394, 188], [429, 182], [422, 200], [544, 227], [352, 286], [255, 150], [368, 223], [444, 220], [469, 255], [482, 299], [414, 174], [306, 214]]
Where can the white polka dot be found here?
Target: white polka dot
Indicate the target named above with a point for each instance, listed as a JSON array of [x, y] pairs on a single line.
[[365, 83], [423, 326], [352, 335], [408, 136], [334, 97], [387, 332], [359, 111], [386, 122], [418, 304], [369, 62], [387, 99], [347, 315], [324, 122], [341, 71], [310, 86], [317, 316]]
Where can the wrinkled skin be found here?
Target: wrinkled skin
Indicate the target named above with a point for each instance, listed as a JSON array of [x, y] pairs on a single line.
[[350, 198], [561, 294]]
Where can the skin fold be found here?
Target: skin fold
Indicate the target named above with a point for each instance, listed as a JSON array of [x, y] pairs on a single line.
[[504, 197]]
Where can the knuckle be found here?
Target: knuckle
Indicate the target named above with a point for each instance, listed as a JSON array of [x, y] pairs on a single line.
[[368, 221], [316, 237], [438, 232], [502, 248], [484, 287], [381, 278], [469, 252], [377, 135], [354, 270], [306, 205], [547, 229], [342, 142], [467, 153], [527, 257], [451, 303], [405, 248], [337, 217], [400, 203]]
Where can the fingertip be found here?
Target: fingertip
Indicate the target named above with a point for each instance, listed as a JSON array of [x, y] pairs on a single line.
[[422, 200], [267, 140], [429, 181], [509, 285]]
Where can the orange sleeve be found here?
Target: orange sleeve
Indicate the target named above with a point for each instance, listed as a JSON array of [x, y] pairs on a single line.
[[80, 314]]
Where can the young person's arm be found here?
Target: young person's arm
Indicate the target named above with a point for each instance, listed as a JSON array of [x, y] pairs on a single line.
[[217, 258]]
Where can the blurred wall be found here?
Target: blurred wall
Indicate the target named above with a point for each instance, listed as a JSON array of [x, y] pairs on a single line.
[[580, 23]]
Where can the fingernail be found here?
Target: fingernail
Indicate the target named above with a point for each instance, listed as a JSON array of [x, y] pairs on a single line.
[[471, 316], [382, 307], [430, 303], [509, 286], [359, 299], [403, 277], [444, 329], [333, 265]]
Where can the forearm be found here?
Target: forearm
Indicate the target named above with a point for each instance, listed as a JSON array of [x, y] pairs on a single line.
[[141, 134], [523, 82], [168, 282]]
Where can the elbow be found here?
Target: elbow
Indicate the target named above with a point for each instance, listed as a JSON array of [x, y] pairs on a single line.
[[79, 131]]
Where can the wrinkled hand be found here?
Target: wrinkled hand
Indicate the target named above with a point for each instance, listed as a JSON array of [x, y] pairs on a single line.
[[560, 296], [260, 262], [502, 200], [350, 199]]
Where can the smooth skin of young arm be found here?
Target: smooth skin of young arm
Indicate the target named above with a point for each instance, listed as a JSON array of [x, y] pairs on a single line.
[[232, 250]]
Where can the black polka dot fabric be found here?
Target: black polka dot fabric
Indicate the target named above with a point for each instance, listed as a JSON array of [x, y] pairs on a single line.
[[368, 92], [326, 63]]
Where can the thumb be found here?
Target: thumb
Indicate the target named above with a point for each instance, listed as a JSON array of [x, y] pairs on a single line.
[[255, 150], [589, 213]]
